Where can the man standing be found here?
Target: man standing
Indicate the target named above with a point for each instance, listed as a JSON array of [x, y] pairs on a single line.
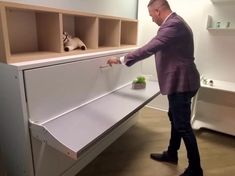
[[178, 78]]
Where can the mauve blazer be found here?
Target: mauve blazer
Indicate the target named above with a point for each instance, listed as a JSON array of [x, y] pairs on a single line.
[[173, 48]]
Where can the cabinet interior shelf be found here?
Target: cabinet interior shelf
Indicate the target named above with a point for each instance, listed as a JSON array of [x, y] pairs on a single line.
[[34, 32]]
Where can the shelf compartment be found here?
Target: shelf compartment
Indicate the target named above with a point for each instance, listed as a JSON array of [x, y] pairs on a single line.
[[128, 32], [83, 27], [109, 32], [33, 31]]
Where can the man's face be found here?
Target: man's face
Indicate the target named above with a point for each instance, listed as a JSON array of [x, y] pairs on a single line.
[[155, 14]]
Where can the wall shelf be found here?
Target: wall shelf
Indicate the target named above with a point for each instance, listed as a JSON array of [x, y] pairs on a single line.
[[220, 85], [41, 30], [223, 1], [213, 26]]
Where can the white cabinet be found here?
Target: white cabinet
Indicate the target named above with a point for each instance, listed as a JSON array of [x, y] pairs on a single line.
[[215, 107], [58, 114]]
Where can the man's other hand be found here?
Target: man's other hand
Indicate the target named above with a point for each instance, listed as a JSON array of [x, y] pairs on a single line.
[[113, 60]]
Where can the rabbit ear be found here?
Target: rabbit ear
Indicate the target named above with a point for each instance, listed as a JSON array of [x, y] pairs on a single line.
[[65, 37]]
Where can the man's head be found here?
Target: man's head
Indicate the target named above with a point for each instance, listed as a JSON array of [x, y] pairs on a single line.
[[159, 10]]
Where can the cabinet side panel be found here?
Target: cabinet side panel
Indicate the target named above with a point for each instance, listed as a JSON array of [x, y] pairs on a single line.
[[4, 43], [14, 135]]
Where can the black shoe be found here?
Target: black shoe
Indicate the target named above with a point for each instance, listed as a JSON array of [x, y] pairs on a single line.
[[190, 172], [165, 157]]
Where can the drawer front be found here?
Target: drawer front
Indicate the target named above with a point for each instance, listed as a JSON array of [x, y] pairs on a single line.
[[54, 90]]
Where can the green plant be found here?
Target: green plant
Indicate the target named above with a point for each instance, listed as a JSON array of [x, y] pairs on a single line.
[[140, 79]]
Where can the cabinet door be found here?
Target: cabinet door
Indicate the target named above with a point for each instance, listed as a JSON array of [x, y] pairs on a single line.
[[54, 90]]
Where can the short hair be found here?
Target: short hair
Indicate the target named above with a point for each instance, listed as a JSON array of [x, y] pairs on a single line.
[[159, 3]]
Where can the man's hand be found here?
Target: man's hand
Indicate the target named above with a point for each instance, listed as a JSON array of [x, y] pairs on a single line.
[[113, 60]]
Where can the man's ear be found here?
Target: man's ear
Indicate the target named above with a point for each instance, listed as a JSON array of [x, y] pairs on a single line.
[[157, 12]]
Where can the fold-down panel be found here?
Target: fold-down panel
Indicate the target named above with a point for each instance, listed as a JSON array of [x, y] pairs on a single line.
[[74, 132]]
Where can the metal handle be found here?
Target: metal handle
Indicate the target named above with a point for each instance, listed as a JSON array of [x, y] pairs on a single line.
[[105, 66]]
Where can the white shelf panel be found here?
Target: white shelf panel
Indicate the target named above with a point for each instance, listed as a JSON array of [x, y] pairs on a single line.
[[221, 29], [75, 131], [223, 26], [223, 1], [220, 85]]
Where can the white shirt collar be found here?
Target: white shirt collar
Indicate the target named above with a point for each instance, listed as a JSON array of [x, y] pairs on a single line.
[[167, 18]]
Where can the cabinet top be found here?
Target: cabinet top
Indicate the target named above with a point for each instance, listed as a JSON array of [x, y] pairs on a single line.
[[56, 10], [72, 58]]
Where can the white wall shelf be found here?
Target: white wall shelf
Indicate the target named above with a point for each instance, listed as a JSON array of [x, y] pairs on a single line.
[[212, 25], [220, 85], [223, 1]]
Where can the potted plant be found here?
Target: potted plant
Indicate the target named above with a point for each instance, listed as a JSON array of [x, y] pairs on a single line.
[[139, 83]]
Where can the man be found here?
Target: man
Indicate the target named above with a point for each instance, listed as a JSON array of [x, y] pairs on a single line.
[[178, 79]]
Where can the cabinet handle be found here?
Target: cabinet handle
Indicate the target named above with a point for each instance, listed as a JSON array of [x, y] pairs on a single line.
[[104, 66]]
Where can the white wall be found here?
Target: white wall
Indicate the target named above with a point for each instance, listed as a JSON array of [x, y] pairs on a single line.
[[214, 52], [121, 8]]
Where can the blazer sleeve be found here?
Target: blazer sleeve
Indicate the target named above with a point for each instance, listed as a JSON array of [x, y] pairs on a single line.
[[167, 35]]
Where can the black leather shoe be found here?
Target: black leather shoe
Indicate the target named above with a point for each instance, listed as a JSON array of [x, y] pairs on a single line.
[[164, 157], [190, 172]]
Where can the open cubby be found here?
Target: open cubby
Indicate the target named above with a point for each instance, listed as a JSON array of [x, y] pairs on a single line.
[[109, 32], [30, 32], [33, 31], [128, 33], [83, 27]]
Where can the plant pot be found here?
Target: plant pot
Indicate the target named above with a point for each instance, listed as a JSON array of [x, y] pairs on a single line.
[[138, 85]]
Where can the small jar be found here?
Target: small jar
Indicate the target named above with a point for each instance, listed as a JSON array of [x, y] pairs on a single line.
[[228, 24], [218, 24], [211, 83]]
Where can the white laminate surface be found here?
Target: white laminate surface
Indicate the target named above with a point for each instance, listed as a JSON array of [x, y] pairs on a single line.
[[83, 126]]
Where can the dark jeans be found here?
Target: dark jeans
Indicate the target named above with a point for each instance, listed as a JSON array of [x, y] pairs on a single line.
[[180, 114]]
